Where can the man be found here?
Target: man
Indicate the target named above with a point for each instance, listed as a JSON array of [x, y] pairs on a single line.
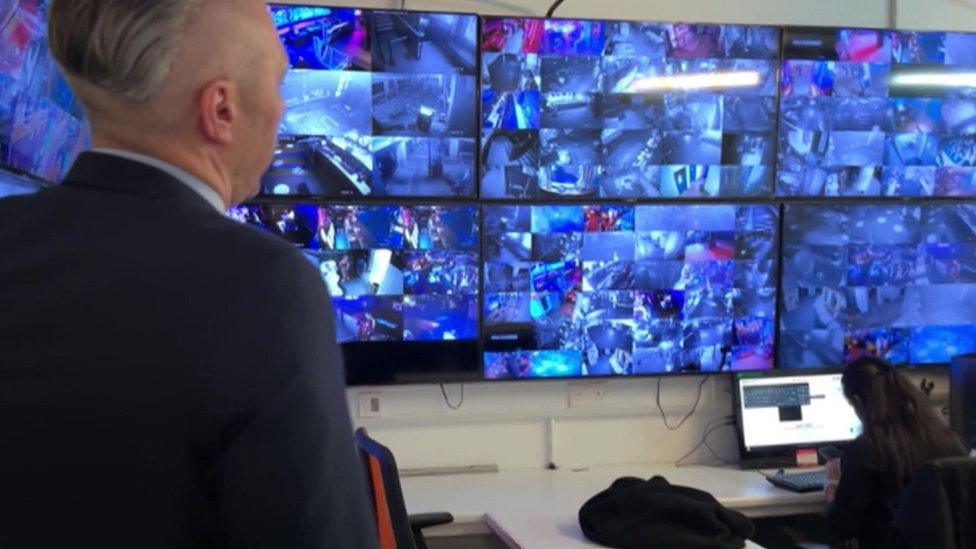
[[168, 377]]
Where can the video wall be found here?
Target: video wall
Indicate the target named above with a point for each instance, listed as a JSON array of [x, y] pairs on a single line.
[[42, 127], [509, 198], [599, 290], [877, 113], [377, 103], [626, 109]]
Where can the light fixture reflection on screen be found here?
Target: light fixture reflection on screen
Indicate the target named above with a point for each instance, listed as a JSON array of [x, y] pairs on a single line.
[[711, 80], [935, 79]]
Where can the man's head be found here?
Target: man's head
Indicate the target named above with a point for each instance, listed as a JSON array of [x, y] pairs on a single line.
[[192, 82]]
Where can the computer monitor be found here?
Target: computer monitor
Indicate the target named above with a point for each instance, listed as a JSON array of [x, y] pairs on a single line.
[[377, 103], [896, 281], [627, 109], [870, 112], [779, 412], [611, 290], [42, 126], [404, 283]]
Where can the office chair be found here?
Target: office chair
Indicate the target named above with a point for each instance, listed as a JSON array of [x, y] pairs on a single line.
[[938, 509], [396, 529]]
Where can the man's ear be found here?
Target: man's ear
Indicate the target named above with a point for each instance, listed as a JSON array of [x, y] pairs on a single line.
[[217, 111]]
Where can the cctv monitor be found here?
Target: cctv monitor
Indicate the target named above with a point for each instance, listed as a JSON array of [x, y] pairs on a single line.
[[626, 109], [616, 290], [404, 283], [378, 103], [868, 112], [893, 280], [42, 126]]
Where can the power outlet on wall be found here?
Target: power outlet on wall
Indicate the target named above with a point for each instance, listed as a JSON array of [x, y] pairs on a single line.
[[589, 394], [370, 405]]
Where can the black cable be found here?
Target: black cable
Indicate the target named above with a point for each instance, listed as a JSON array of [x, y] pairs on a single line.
[[694, 407], [704, 441], [448, 401], [555, 5]]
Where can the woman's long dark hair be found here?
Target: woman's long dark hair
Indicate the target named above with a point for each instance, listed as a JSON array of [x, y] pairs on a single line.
[[901, 427]]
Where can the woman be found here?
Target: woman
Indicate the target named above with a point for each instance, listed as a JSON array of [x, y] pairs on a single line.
[[901, 431]]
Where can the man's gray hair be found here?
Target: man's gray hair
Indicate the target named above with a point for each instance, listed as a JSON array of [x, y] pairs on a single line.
[[122, 47]]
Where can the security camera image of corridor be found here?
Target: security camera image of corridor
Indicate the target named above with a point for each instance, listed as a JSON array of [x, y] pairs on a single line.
[[690, 108], [606, 290], [323, 38], [424, 105], [394, 273], [430, 43], [867, 112], [888, 280], [326, 103]]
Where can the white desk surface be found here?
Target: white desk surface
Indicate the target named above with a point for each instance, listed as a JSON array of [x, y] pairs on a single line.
[[538, 508]]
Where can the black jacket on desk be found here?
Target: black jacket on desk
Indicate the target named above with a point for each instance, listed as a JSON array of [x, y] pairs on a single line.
[[168, 377]]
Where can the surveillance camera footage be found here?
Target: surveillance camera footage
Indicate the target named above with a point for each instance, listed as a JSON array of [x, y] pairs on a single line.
[[601, 290], [377, 103], [876, 113], [395, 273], [895, 281], [578, 108], [42, 126]]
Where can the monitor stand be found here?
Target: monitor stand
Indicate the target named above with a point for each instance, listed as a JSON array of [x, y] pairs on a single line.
[[769, 462]]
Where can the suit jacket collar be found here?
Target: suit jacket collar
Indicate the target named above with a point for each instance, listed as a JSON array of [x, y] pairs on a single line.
[[122, 175]]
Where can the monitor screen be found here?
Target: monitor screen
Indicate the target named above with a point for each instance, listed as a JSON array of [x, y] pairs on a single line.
[[377, 103], [395, 273], [802, 410], [895, 281], [575, 290], [877, 113], [576, 108], [13, 184], [42, 127]]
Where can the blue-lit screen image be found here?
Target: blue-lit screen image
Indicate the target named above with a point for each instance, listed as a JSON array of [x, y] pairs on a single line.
[[602, 290], [395, 273], [574, 108], [415, 42], [42, 126], [377, 103], [876, 113], [895, 281], [323, 38], [13, 185]]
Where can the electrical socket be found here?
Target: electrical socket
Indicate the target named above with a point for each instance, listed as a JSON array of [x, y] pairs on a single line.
[[590, 394], [370, 405]]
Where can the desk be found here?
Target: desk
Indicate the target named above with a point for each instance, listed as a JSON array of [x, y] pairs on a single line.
[[537, 508]]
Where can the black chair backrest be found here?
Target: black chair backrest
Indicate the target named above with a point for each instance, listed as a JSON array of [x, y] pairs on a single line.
[[391, 484], [938, 509]]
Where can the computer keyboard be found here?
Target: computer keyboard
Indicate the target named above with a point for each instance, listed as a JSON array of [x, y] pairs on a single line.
[[809, 481]]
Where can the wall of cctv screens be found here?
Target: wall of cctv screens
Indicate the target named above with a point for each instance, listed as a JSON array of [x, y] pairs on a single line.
[[559, 270], [542, 242]]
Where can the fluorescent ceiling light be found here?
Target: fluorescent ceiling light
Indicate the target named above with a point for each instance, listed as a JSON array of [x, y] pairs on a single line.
[[737, 79], [943, 79]]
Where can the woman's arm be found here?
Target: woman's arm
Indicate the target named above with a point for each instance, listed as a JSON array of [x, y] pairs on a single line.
[[853, 495]]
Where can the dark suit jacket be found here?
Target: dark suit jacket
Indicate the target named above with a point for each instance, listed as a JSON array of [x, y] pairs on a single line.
[[168, 377]]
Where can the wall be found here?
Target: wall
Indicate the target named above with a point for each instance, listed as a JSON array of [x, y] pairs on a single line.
[[516, 425]]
